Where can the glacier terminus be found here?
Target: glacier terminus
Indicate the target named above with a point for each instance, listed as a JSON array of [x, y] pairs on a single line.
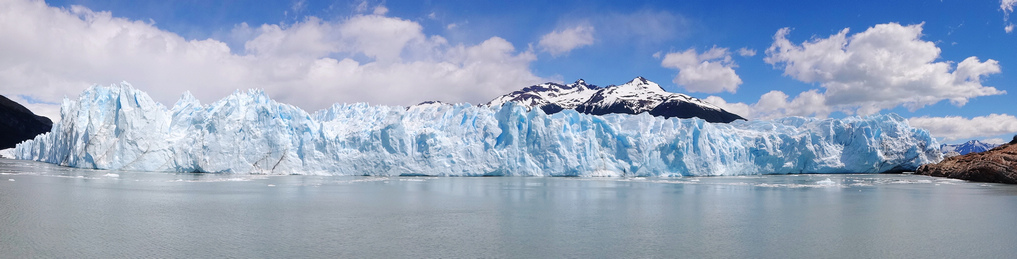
[[120, 127]]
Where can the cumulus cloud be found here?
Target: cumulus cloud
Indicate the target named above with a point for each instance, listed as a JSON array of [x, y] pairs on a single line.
[[741, 109], [49, 53], [563, 41], [298, 6], [775, 104], [746, 52], [883, 67], [380, 10], [1007, 7], [952, 128], [709, 72], [997, 141], [641, 29]]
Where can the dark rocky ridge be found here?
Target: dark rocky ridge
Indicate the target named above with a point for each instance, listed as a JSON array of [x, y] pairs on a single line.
[[18, 124], [998, 165]]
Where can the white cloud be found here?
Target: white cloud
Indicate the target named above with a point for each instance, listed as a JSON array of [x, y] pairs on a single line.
[[741, 109], [48, 53], [995, 141], [380, 10], [640, 29], [298, 6], [562, 41], [1007, 7], [775, 104], [361, 6], [708, 72], [955, 128], [49, 110], [746, 52], [883, 67]]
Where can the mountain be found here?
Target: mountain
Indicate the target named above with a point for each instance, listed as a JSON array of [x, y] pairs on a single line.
[[973, 146], [636, 96], [120, 127], [18, 124], [996, 165]]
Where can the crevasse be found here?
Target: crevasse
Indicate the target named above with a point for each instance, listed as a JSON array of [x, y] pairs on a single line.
[[120, 127]]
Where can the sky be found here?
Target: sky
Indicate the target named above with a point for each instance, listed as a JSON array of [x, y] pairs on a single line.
[[948, 66]]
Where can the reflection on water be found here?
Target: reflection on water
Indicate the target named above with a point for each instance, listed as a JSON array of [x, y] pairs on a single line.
[[51, 211]]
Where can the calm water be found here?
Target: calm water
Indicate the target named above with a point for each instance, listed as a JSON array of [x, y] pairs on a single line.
[[48, 211]]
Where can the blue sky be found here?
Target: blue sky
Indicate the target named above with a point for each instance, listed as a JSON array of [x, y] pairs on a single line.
[[470, 51]]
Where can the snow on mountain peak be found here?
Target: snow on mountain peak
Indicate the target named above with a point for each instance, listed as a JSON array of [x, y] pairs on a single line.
[[972, 146], [636, 96], [640, 84]]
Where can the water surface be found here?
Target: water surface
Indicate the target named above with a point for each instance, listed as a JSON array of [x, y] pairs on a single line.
[[50, 211]]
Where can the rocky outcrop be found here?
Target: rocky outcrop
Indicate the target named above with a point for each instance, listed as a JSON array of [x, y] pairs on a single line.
[[998, 165], [18, 124]]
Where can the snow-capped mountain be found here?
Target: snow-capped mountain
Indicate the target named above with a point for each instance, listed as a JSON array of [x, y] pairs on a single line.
[[973, 146], [636, 96], [550, 97]]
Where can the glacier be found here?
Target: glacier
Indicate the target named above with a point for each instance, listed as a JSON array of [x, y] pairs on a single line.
[[120, 127]]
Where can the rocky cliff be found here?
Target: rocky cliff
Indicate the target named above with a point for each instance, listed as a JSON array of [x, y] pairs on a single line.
[[18, 124], [998, 165]]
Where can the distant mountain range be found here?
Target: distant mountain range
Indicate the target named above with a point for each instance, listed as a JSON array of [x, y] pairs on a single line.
[[18, 124], [636, 96], [965, 148]]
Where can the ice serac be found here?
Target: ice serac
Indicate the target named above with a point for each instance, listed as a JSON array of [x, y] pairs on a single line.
[[119, 127]]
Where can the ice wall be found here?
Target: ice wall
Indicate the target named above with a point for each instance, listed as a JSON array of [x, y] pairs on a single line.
[[119, 127]]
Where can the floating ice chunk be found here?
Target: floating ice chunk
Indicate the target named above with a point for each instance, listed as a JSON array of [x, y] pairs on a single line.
[[826, 182]]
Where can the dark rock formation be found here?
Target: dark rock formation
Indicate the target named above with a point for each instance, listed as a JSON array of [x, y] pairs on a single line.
[[998, 165], [18, 124]]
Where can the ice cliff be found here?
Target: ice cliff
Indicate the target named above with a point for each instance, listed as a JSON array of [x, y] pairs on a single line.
[[119, 127], [635, 97]]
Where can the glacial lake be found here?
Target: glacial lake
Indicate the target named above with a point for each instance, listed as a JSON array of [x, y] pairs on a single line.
[[50, 211]]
